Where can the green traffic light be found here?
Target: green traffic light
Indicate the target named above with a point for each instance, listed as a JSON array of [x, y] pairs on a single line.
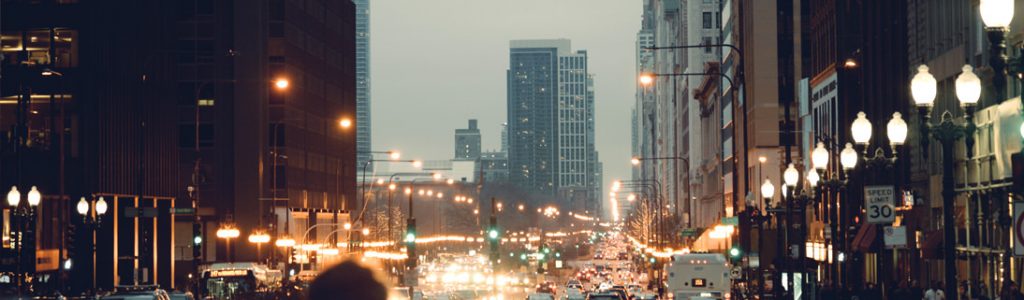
[[197, 240], [493, 234], [558, 254], [547, 250], [735, 252], [522, 256], [410, 237], [652, 260]]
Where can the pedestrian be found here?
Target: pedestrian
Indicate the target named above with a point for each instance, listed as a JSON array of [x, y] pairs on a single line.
[[935, 292], [899, 290], [915, 291], [348, 280]]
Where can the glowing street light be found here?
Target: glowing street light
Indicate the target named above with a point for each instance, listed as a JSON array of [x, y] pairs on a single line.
[[281, 83], [646, 79], [345, 123]]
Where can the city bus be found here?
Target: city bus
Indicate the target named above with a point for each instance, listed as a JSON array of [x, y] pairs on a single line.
[[238, 280], [698, 276]]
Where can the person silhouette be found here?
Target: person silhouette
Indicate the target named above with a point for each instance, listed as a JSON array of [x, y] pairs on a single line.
[[348, 280]]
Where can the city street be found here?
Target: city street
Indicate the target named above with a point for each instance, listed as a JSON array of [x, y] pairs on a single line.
[[512, 149]]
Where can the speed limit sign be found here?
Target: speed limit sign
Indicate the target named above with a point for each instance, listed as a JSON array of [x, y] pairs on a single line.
[[880, 202]]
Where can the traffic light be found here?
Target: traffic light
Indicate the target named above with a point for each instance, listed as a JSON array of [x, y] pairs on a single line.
[[410, 243], [71, 245], [522, 256], [494, 238], [197, 241], [735, 254]]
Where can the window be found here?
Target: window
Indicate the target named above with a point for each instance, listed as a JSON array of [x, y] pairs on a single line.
[[708, 20], [33, 47], [190, 51], [187, 135], [708, 41]]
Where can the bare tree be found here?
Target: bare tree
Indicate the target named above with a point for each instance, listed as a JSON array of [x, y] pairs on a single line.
[[639, 221], [379, 227]]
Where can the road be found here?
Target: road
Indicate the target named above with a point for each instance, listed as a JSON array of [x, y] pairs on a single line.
[[468, 275]]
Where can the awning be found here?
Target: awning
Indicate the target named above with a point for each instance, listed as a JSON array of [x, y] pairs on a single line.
[[931, 247], [866, 236]]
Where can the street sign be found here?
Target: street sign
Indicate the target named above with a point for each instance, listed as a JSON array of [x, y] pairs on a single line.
[[1018, 229], [880, 203], [736, 272], [691, 232], [734, 221], [895, 237], [182, 211], [47, 260]]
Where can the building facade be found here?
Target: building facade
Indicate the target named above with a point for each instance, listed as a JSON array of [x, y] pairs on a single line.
[[551, 122], [467, 142], [174, 104], [363, 113]]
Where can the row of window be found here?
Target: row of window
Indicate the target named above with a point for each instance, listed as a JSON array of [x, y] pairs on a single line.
[[32, 47]]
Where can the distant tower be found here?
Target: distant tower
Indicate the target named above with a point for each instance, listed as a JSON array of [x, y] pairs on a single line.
[[550, 129], [362, 81], [467, 142], [504, 137]]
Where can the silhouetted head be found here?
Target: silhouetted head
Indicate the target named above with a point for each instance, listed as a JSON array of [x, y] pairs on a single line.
[[347, 280]]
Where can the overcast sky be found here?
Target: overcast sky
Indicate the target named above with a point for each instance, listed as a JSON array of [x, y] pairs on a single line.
[[434, 64]]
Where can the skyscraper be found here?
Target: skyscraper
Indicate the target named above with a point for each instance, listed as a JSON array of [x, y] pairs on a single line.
[[551, 122], [362, 80], [467, 142]]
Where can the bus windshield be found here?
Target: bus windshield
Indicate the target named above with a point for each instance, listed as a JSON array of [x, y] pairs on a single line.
[[233, 287]]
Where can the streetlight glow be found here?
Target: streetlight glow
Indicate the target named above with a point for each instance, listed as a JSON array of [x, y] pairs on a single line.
[[13, 197], [285, 242], [635, 161], [996, 13], [646, 79], [259, 238], [923, 87], [767, 189], [791, 176], [819, 157], [897, 128], [395, 155], [34, 197], [848, 158], [812, 178], [101, 206], [968, 87], [281, 83], [345, 123], [861, 129], [82, 207]]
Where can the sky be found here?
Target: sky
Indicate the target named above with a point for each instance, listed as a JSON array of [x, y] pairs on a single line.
[[435, 64]]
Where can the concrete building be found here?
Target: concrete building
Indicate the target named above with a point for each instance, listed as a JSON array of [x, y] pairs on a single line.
[[467, 142], [494, 166]]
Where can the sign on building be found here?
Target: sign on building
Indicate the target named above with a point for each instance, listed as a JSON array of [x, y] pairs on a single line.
[[880, 203], [895, 237]]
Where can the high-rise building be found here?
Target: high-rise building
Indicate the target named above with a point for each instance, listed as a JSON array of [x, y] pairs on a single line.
[[467, 142], [363, 113], [175, 101], [551, 122]]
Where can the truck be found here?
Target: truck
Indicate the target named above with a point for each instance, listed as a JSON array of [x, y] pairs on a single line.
[[698, 276]]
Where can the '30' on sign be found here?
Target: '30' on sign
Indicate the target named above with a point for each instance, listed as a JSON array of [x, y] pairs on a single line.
[[880, 202]]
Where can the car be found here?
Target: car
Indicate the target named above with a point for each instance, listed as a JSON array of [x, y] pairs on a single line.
[[540, 296], [546, 287], [138, 293], [605, 296], [573, 282]]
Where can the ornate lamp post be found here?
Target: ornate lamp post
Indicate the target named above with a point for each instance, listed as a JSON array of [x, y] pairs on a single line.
[[759, 220], [923, 88], [228, 232], [92, 216], [24, 217], [997, 15]]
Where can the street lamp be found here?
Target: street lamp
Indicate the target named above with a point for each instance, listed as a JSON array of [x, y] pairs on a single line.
[[997, 15], [25, 220], [281, 83], [228, 232], [947, 132], [92, 213], [259, 238]]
